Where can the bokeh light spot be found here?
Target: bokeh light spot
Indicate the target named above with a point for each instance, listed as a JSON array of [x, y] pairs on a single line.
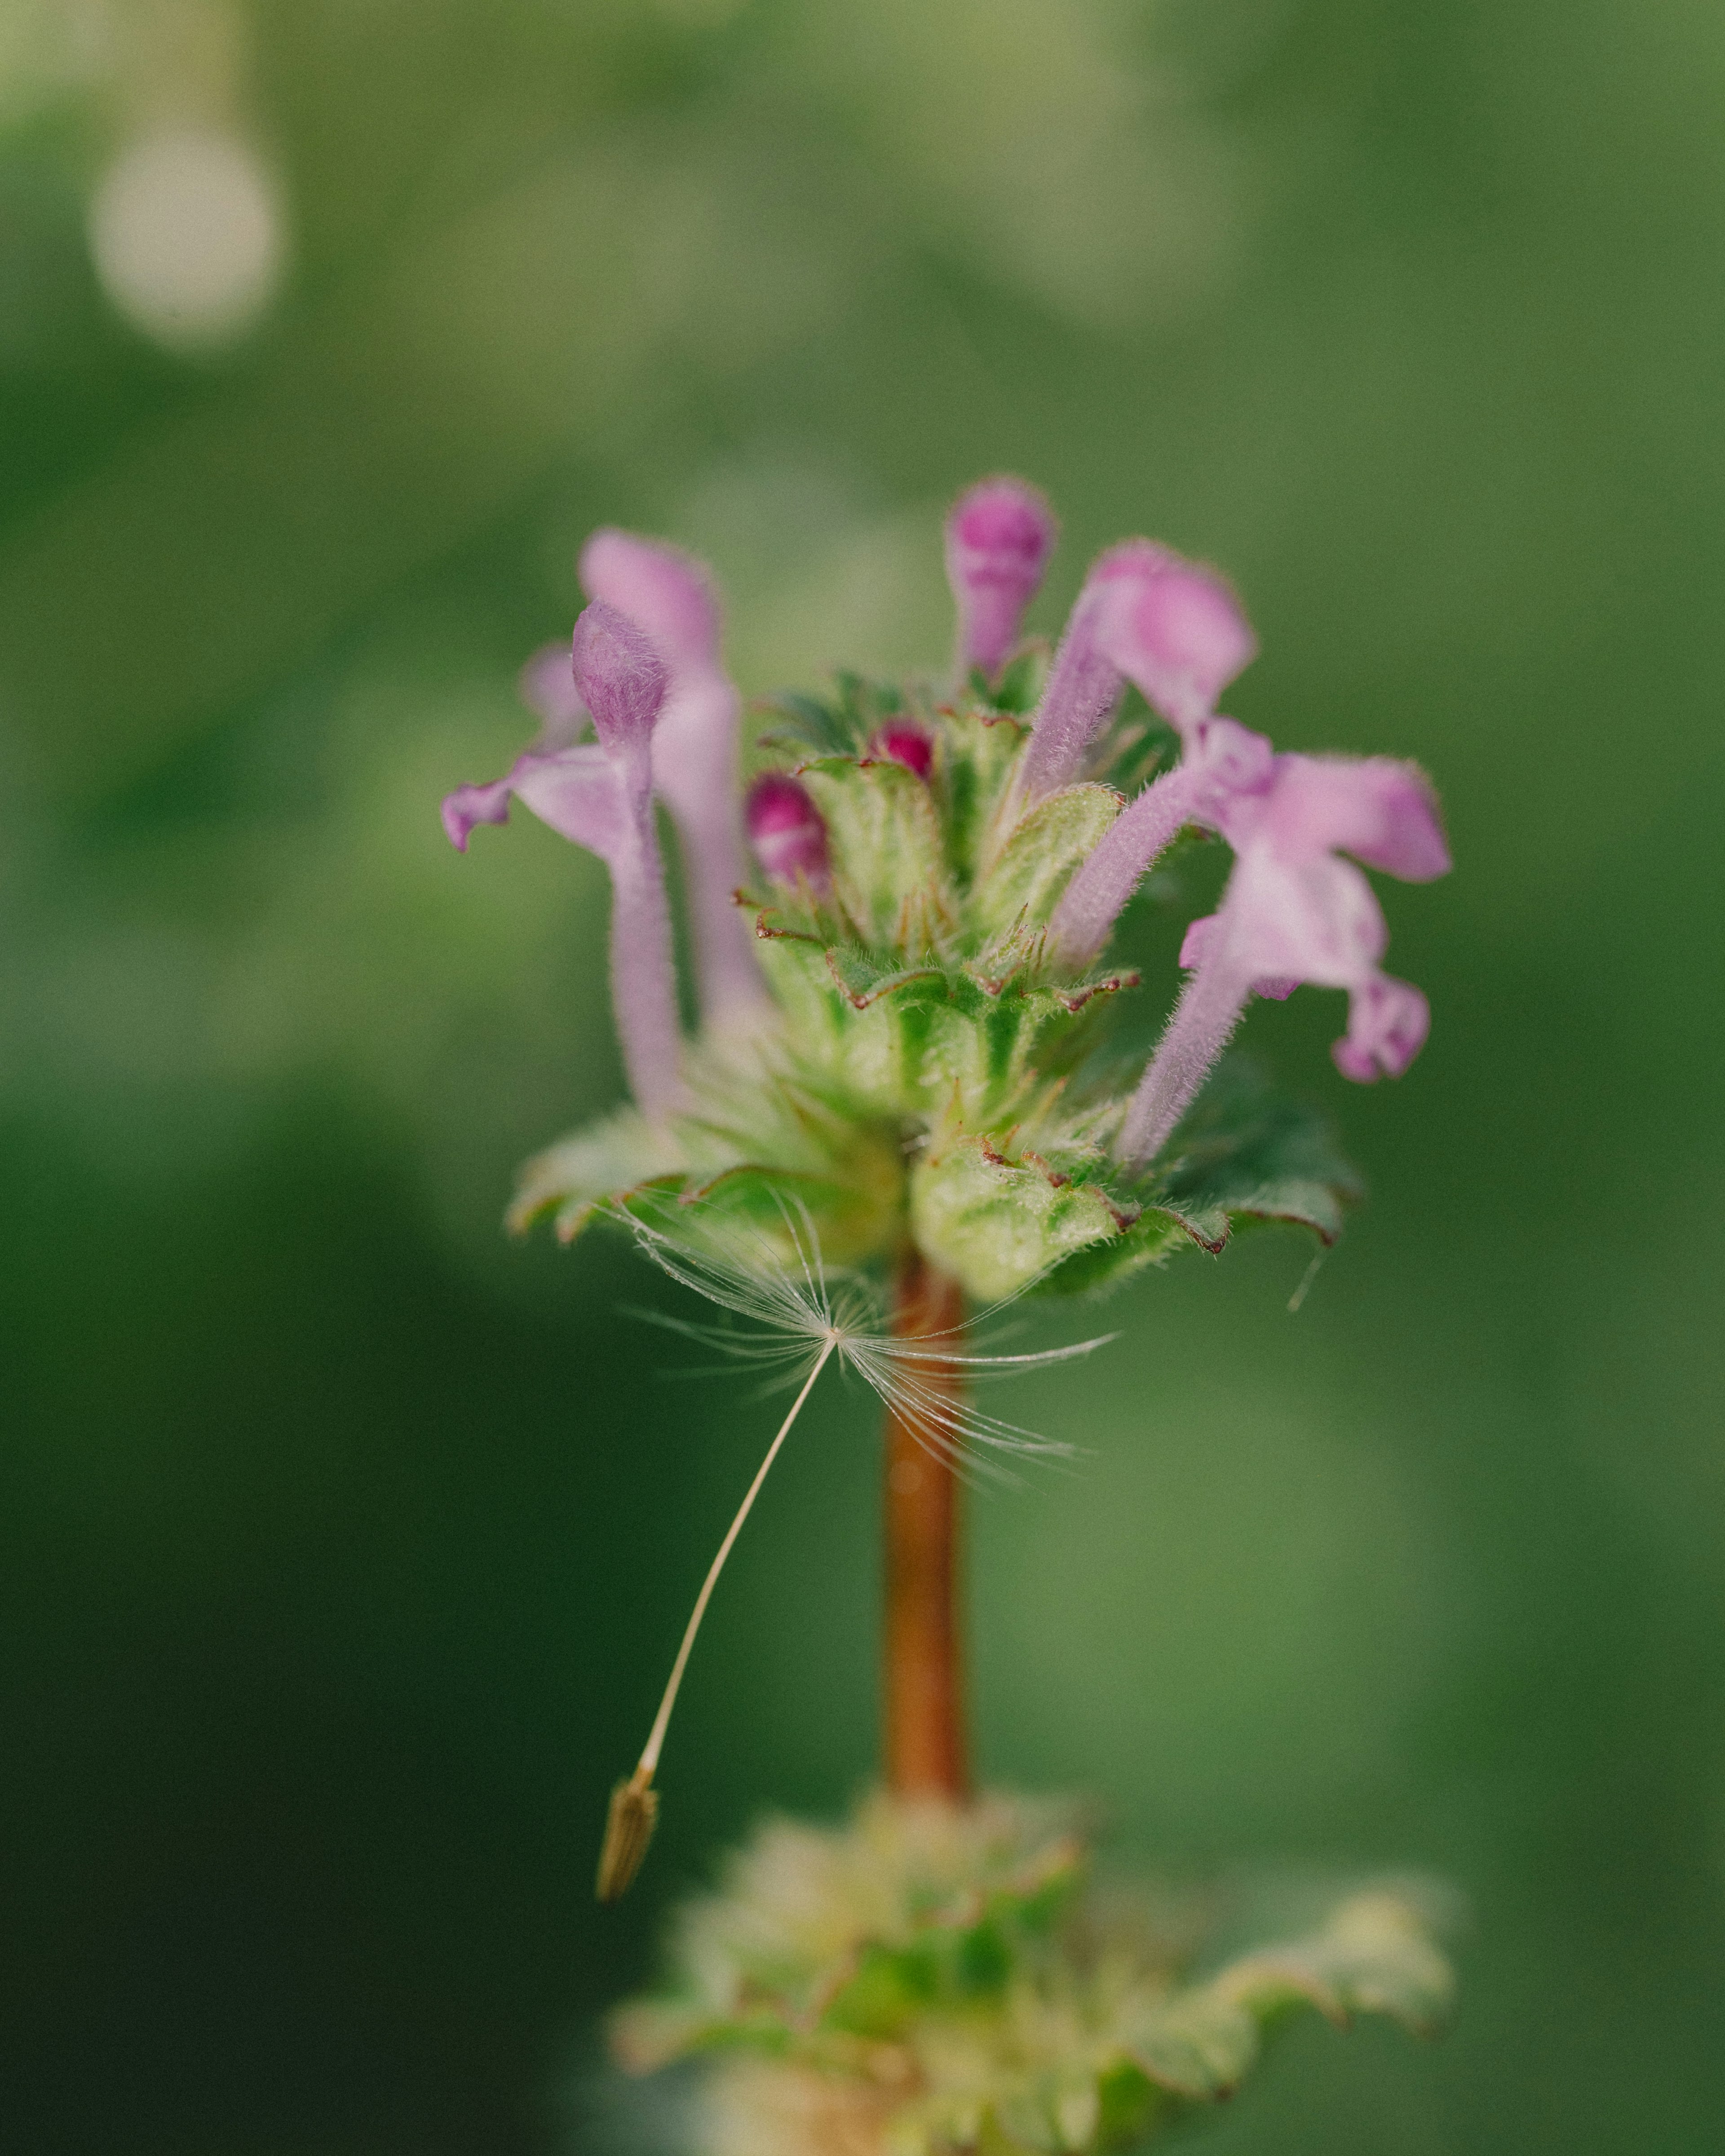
[[188, 236]]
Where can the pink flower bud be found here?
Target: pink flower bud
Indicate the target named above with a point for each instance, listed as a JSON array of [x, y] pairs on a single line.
[[999, 535], [902, 742], [785, 829]]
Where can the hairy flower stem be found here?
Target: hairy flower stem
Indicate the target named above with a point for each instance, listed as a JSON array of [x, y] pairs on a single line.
[[926, 1747]]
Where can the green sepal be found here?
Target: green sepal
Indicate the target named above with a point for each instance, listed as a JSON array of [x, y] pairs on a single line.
[[838, 724], [927, 1040], [746, 1210], [1128, 2102], [977, 754], [1026, 877], [884, 840]]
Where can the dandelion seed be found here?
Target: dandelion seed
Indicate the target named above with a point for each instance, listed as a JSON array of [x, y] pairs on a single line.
[[807, 1319]]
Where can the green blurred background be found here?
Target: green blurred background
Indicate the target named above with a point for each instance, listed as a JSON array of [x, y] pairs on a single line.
[[346, 1542]]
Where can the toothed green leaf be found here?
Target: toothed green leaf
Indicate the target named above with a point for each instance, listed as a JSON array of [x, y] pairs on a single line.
[[584, 1170], [997, 1224], [1375, 1955], [1246, 1152]]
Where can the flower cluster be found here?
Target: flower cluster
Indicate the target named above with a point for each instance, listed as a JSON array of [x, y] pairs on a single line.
[[924, 1980], [902, 898]]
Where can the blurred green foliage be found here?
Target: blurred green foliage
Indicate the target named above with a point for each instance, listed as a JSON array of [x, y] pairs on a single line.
[[346, 1543]]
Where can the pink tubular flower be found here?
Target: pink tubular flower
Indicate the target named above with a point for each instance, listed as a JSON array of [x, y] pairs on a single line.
[[999, 535], [1144, 615], [1177, 633], [786, 830], [1294, 911], [669, 595], [1223, 758], [600, 796]]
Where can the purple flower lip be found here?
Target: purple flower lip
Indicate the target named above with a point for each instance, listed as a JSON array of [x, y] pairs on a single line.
[[900, 741], [999, 535], [599, 795], [786, 830], [1293, 911]]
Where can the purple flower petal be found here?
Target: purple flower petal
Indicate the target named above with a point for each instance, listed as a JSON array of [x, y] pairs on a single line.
[[469, 805], [1180, 636], [587, 796], [670, 595], [1388, 1021], [663, 591]]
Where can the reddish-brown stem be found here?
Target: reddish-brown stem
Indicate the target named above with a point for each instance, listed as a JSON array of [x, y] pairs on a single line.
[[922, 1673]]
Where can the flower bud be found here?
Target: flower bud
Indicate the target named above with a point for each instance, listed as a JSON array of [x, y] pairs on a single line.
[[999, 537], [786, 830], [901, 741]]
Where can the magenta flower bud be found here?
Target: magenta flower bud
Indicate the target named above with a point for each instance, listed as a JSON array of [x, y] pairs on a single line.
[[899, 740], [1293, 911], [669, 595], [786, 830], [545, 685], [623, 682], [999, 535]]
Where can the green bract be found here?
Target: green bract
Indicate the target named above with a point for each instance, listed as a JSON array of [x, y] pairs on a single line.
[[931, 1072]]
